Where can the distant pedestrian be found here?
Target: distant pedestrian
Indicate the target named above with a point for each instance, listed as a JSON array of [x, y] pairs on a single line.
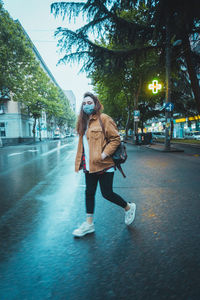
[[94, 157]]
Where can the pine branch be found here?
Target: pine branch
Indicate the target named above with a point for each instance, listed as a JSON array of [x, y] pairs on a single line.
[[70, 39], [94, 10], [72, 9], [98, 22]]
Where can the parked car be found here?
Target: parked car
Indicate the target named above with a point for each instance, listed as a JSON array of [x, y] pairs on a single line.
[[193, 135], [56, 136], [158, 135], [70, 135]]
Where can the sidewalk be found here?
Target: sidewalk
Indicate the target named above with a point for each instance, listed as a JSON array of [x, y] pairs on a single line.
[[161, 147], [157, 147]]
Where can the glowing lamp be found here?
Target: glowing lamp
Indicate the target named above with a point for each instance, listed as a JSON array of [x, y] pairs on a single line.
[[155, 86]]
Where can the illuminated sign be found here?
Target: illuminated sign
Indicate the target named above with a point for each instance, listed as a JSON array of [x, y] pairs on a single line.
[[155, 86], [194, 118], [180, 120]]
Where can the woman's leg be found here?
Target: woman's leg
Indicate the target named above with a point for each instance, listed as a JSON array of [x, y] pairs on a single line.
[[91, 181], [106, 185]]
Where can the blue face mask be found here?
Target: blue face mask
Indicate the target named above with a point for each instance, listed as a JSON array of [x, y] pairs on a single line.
[[88, 108]]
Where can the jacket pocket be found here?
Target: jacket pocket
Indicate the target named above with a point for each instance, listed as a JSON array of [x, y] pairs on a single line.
[[96, 133]]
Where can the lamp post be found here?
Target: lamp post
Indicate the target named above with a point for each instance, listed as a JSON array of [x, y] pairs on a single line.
[[168, 85]]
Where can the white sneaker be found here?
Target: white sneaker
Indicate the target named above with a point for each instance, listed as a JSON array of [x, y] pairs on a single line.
[[84, 229], [130, 214]]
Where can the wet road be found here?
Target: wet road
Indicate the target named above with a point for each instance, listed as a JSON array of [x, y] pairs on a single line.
[[42, 202]]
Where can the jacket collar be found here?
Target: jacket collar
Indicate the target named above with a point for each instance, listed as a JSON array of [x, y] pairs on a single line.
[[93, 117]]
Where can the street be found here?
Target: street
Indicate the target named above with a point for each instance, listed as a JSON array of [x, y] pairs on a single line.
[[42, 201]]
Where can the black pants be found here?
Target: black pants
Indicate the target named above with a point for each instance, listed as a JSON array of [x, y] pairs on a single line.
[[106, 185]]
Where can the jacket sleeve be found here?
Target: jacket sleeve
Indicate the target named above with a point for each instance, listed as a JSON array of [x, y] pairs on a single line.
[[112, 135]]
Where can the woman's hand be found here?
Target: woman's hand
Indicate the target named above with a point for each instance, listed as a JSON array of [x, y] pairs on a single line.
[[103, 155]]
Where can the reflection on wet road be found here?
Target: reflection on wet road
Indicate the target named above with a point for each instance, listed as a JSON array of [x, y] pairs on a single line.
[[42, 200], [35, 207], [21, 171]]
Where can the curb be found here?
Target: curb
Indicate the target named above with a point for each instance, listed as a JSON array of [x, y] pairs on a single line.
[[162, 149], [159, 148]]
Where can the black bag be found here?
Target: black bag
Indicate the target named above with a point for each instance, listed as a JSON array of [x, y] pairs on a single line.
[[120, 155]]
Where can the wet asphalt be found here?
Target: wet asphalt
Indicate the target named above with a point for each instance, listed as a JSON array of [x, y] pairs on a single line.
[[42, 201]]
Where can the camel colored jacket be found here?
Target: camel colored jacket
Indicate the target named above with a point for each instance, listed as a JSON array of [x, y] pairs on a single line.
[[98, 144]]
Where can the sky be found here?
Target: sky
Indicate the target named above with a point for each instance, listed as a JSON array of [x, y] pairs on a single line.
[[40, 24]]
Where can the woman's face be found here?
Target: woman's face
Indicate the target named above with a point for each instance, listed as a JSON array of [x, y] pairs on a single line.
[[87, 101], [88, 105]]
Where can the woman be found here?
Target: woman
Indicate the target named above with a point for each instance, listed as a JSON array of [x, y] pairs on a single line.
[[94, 157]]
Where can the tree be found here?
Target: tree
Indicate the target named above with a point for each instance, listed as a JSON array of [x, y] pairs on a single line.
[[15, 55], [22, 76], [128, 81], [39, 94], [184, 22], [101, 16], [127, 31]]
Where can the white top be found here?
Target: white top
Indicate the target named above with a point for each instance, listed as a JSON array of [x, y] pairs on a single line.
[[87, 153]]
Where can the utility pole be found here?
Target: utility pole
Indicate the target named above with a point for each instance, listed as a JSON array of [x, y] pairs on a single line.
[[168, 84]]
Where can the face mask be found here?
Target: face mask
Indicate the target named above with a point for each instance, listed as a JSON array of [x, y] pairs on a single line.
[[88, 108]]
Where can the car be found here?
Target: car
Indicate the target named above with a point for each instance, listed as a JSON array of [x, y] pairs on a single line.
[[193, 135], [56, 136], [158, 135], [70, 135]]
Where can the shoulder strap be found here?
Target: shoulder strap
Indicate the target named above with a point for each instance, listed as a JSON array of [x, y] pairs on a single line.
[[103, 129], [102, 126], [120, 169]]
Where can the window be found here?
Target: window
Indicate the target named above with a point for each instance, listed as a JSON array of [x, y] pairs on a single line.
[[2, 129], [2, 109], [2, 133]]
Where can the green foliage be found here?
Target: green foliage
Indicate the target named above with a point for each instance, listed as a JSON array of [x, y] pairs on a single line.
[[130, 32], [15, 54], [22, 77], [125, 89]]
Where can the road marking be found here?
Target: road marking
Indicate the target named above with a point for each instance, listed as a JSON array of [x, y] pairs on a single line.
[[17, 153], [54, 150], [32, 150]]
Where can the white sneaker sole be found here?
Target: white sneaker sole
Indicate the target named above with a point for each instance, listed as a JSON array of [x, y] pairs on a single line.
[[82, 234], [133, 216]]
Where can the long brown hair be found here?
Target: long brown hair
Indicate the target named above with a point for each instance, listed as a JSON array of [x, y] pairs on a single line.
[[81, 125]]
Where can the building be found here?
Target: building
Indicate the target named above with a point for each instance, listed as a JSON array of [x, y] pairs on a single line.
[[182, 125], [72, 99], [15, 124]]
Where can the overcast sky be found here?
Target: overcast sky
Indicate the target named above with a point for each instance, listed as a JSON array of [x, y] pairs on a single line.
[[40, 24]]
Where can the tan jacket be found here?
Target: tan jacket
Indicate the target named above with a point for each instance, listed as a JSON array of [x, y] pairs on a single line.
[[98, 143]]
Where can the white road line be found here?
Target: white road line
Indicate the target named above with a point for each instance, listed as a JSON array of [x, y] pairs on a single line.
[[54, 150], [17, 153]]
